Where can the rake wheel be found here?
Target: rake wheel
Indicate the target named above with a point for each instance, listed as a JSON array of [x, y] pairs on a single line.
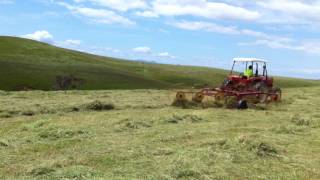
[[181, 96], [198, 97]]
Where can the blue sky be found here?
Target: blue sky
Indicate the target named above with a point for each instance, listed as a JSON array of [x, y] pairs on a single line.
[[190, 32]]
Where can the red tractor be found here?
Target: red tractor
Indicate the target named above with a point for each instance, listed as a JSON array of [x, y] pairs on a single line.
[[254, 88]]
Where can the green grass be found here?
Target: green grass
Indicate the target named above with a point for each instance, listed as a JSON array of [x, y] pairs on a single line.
[[33, 64], [50, 135]]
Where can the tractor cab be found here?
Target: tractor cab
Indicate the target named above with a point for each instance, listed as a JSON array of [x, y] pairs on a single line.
[[239, 80]]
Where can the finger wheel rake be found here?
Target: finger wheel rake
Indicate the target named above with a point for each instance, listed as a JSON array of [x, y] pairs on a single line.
[[198, 97], [181, 96]]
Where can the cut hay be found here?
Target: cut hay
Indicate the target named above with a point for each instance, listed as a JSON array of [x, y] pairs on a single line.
[[184, 104], [99, 106]]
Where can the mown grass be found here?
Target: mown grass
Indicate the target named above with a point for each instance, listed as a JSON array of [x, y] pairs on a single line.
[[35, 65], [144, 137]]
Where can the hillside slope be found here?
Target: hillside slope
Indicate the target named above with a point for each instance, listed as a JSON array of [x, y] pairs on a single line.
[[27, 63]]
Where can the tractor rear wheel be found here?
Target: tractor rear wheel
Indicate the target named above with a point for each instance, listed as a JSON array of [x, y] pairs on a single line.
[[242, 104], [278, 93], [262, 88]]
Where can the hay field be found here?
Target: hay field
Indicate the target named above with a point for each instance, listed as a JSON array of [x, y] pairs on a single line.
[[137, 135]]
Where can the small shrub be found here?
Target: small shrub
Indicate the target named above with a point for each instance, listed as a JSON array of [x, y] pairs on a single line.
[[184, 169], [284, 130], [41, 171], [4, 143], [187, 173], [99, 106], [136, 125], [75, 109], [5, 115], [28, 113], [54, 134], [219, 143], [261, 149], [4, 93], [44, 110], [264, 149], [174, 119], [34, 125], [299, 121], [68, 82], [75, 172], [193, 118], [163, 152], [188, 118], [127, 124]]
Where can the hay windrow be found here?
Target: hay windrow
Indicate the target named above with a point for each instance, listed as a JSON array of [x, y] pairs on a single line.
[[99, 106], [28, 113], [260, 148], [300, 121], [131, 124], [186, 104], [55, 133], [175, 119], [4, 143]]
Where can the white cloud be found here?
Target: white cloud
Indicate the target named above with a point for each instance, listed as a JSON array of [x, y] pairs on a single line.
[[165, 55], [147, 52], [72, 42], [311, 47], [291, 11], [150, 14], [79, 1], [43, 36], [205, 26], [98, 15], [144, 50], [6, 1], [112, 50], [202, 8], [307, 46], [231, 30], [272, 41], [122, 5], [309, 71]]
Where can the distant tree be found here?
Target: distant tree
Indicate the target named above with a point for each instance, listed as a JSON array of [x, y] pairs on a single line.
[[68, 82]]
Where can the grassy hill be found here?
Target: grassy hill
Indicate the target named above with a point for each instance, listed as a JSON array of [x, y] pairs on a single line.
[[34, 64]]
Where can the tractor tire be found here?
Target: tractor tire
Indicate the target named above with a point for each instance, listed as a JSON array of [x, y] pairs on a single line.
[[278, 93], [242, 104], [198, 97], [261, 87], [264, 89]]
